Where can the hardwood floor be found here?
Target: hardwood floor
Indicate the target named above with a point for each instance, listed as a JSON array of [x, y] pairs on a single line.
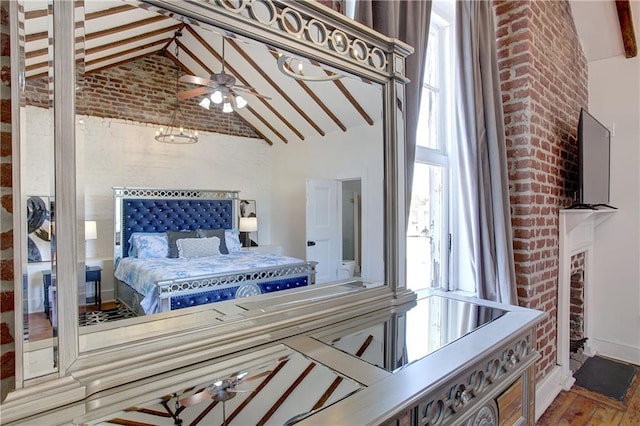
[[40, 326], [579, 406]]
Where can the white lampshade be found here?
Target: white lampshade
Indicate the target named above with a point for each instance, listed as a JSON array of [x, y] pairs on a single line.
[[216, 97], [204, 103], [240, 102], [248, 224], [90, 230]]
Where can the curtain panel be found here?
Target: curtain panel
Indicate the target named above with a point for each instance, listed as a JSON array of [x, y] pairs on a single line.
[[482, 229], [407, 21]]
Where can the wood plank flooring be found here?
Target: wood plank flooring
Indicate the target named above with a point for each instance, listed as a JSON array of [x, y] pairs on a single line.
[[40, 327], [579, 406]]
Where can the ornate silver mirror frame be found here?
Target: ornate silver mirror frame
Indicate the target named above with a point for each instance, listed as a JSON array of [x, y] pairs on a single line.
[[308, 29]]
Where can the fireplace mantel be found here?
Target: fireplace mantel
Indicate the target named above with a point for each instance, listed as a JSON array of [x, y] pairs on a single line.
[[576, 236]]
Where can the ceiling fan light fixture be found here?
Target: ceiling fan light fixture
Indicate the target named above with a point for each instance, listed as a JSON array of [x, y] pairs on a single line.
[[241, 102], [216, 97], [227, 107], [205, 103]]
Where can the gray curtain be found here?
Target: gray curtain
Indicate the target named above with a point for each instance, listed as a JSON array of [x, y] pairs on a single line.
[[406, 20], [483, 228]]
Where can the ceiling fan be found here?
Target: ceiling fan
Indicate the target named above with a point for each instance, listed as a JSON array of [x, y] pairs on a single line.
[[220, 88], [221, 391]]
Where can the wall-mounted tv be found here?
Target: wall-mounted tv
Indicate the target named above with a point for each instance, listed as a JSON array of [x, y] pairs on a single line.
[[594, 145]]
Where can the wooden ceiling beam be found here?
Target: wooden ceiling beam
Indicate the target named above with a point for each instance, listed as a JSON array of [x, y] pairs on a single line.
[[127, 52], [131, 40], [287, 393], [35, 14], [315, 97], [125, 27], [275, 86], [255, 392], [215, 54], [108, 12], [626, 28], [340, 85]]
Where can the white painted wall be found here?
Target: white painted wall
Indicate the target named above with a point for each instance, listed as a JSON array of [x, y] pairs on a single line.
[[614, 311], [357, 153]]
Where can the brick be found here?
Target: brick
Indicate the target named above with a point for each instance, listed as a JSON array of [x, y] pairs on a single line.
[[143, 97], [7, 365], [6, 301], [5, 334], [544, 96]]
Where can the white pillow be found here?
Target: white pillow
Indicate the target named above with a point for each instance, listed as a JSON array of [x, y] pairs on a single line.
[[198, 247]]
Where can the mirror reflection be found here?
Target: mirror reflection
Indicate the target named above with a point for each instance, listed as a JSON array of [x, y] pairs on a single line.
[[169, 103], [420, 328], [256, 392], [38, 196]]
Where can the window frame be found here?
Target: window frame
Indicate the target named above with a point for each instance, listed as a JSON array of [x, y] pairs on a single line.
[[442, 22]]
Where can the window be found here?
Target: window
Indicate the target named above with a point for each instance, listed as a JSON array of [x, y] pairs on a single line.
[[428, 230]]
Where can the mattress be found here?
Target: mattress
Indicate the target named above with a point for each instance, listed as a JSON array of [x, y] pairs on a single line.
[[142, 274]]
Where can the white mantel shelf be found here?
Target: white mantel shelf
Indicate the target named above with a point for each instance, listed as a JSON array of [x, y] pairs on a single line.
[[574, 217], [577, 228]]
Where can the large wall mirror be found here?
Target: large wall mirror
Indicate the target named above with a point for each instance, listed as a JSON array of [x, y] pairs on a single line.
[[302, 116]]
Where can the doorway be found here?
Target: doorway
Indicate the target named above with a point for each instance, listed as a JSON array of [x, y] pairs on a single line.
[[351, 227]]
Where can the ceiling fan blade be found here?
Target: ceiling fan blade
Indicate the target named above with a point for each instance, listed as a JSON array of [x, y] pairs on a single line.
[[195, 80], [250, 92], [257, 376], [186, 94], [196, 398], [240, 86]]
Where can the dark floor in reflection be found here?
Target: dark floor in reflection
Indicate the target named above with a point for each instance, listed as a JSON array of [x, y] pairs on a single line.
[[40, 326]]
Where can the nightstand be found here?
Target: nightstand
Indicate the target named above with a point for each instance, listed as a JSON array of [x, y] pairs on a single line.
[[93, 275]]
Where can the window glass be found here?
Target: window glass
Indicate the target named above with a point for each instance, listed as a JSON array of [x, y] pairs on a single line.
[[428, 228], [426, 220]]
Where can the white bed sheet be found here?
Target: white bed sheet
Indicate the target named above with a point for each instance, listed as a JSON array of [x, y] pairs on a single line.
[[142, 274]]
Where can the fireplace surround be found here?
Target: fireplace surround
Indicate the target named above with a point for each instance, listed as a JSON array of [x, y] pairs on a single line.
[[576, 241]]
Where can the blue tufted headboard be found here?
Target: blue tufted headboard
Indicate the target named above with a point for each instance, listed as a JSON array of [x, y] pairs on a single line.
[[156, 210]]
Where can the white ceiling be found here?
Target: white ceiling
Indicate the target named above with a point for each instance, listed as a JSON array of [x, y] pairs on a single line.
[[598, 27]]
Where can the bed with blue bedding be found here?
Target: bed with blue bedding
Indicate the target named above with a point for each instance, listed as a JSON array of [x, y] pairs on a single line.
[[180, 248]]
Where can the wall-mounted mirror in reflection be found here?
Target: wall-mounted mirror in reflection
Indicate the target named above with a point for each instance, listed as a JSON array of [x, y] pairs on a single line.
[[186, 108], [38, 196]]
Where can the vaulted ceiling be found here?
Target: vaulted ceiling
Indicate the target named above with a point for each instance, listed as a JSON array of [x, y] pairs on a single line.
[[606, 27], [116, 32]]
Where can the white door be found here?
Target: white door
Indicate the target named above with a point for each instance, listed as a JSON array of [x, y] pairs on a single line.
[[324, 227]]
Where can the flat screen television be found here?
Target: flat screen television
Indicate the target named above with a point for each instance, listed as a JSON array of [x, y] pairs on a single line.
[[594, 144]]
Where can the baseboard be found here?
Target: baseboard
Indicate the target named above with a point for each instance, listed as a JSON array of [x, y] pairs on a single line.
[[547, 390], [615, 350]]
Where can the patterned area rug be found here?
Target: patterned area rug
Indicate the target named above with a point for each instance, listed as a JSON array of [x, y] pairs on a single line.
[[99, 317]]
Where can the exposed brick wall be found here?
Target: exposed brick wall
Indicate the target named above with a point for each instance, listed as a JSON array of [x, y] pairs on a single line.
[[143, 90], [7, 323], [337, 5], [543, 72], [576, 305]]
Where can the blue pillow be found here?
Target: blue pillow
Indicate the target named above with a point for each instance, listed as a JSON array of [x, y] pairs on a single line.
[[232, 240], [148, 246]]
